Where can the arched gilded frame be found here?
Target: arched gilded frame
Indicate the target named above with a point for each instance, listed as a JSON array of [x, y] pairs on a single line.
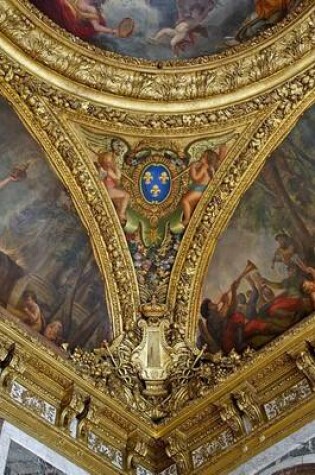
[[152, 391]]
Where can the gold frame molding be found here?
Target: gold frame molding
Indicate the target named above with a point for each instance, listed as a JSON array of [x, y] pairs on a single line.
[[261, 89]]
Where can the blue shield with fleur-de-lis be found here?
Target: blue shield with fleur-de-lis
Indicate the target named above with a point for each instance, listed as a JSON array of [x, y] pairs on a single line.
[[155, 183]]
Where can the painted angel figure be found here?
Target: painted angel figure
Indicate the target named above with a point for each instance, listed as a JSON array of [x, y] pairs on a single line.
[[110, 175], [201, 173], [108, 165], [191, 16]]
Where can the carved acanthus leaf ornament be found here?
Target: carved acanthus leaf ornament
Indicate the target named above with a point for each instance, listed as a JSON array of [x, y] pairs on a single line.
[[97, 399], [205, 77]]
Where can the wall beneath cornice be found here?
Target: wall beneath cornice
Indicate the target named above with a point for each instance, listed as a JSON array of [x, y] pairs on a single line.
[[21, 454], [296, 452]]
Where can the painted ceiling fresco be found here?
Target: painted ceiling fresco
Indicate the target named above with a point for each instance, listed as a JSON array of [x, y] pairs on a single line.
[[155, 187], [261, 280], [49, 280], [157, 267], [166, 29]]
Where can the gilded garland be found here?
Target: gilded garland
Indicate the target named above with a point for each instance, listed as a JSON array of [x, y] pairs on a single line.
[[154, 186]]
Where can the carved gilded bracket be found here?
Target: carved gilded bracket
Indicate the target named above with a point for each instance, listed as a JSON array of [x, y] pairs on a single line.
[[114, 413]]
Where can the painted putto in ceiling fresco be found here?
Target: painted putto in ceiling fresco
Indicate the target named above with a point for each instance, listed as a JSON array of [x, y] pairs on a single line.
[[155, 187], [166, 29], [261, 280], [49, 280]]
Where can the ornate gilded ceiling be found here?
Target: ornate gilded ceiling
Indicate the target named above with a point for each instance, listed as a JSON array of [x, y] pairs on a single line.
[[157, 225], [160, 29]]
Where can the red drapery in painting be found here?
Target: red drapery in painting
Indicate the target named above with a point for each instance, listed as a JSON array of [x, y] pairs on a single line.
[[65, 15], [266, 8]]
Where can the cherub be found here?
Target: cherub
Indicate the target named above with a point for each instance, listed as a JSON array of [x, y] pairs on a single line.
[[30, 311], [54, 332], [201, 173], [111, 176], [308, 288], [85, 10], [187, 24]]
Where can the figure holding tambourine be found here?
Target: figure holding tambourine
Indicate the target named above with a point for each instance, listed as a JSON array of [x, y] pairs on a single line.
[[86, 11], [84, 18]]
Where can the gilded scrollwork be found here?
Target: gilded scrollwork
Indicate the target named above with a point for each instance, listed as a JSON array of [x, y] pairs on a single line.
[[248, 406], [305, 362], [152, 377], [177, 449], [137, 448], [231, 417], [9, 362]]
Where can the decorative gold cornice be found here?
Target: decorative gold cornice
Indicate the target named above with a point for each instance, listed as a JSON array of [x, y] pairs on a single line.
[[273, 387], [259, 90]]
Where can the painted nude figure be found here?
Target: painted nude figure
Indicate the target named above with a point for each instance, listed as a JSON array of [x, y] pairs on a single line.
[[54, 332], [85, 10], [201, 174], [30, 312], [111, 176], [184, 27]]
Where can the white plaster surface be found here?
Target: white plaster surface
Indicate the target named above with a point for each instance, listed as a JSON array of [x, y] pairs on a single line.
[[10, 433], [258, 465]]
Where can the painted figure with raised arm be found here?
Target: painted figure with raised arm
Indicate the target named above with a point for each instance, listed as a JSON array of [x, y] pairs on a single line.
[[30, 312], [111, 176], [189, 21], [201, 174], [85, 10]]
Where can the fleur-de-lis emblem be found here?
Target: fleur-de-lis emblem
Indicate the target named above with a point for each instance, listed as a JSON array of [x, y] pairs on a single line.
[[147, 177], [164, 178], [155, 191]]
